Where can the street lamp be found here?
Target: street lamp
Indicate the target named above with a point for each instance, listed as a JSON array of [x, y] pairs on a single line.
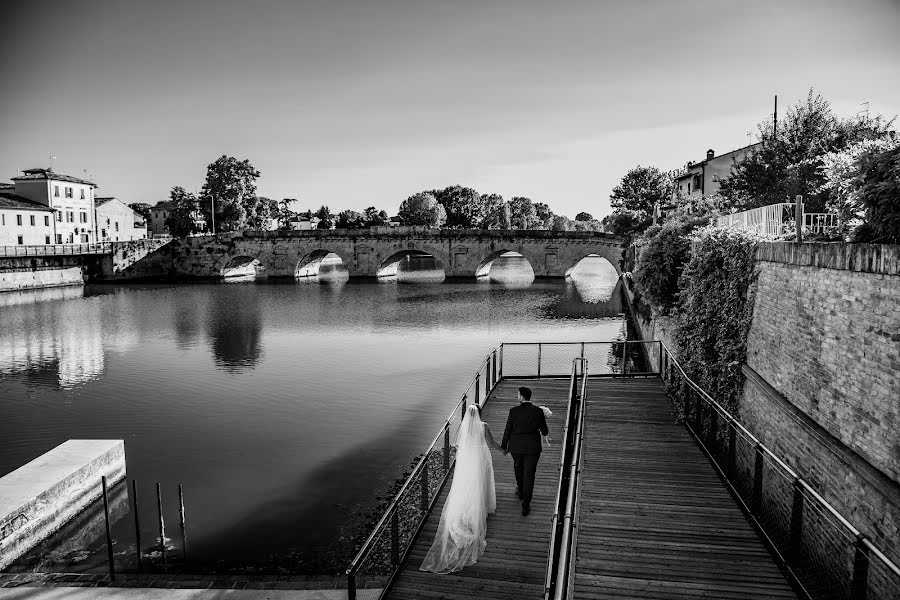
[[212, 211]]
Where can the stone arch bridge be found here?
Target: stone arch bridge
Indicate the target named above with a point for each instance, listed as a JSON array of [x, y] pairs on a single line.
[[364, 252]]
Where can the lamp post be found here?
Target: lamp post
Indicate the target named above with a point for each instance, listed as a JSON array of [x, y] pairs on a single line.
[[212, 211]]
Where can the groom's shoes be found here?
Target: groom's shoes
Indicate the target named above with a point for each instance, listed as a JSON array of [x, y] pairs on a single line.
[[518, 493], [526, 508]]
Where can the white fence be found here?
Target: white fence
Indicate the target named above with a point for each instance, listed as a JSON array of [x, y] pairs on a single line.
[[778, 219]]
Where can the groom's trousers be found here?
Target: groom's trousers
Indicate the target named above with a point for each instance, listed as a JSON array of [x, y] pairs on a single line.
[[525, 466]]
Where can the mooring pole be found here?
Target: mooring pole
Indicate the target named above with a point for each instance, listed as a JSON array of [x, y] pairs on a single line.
[[181, 518], [162, 527], [109, 550], [137, 524]]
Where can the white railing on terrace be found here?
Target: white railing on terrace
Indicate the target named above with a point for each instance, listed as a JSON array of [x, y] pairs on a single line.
[[776, 219], [56, 249]]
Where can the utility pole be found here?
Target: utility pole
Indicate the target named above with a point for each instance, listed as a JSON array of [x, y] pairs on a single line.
[[775, 131]]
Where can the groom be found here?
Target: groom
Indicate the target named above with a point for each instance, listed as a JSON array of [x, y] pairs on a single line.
[[522, 437]]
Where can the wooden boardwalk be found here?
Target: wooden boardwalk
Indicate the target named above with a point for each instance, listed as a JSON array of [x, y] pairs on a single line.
[[515, 560], [655, 520]]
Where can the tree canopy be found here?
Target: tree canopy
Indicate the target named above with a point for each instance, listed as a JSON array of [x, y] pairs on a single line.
[[184, 207], [422, 209], [232, 184]]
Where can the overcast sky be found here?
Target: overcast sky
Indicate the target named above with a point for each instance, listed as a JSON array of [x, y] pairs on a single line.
[[359, 103]]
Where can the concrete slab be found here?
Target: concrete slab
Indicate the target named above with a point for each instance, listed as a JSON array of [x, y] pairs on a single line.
[[41, 496], [70, 593]]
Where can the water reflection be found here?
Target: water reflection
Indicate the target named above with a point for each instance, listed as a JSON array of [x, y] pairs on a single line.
[[595, 279], [234, 327], [56, 343], [243, 267], [573, 304], [509, 268], [322, 266], [412, 267], [43, 295]]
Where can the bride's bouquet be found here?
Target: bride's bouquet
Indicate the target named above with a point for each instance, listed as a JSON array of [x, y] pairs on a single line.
[[545, 439]]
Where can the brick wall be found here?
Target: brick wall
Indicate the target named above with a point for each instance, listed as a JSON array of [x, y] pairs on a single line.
[[823, 375]]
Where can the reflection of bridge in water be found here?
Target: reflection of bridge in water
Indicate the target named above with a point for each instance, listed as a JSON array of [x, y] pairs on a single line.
[[629, 503]]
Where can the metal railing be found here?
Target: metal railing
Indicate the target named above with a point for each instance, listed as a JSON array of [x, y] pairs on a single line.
[[557, 580], [775, 219], [823, 554], [56, 249], [554, 359], [378, 561]]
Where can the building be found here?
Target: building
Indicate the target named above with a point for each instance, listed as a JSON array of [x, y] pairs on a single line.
[[156, 222], [23, 221], [702, 178], [117, 221], [71, 198]]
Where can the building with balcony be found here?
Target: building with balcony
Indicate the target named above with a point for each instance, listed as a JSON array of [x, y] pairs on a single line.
[[71, 199], [118, 222]]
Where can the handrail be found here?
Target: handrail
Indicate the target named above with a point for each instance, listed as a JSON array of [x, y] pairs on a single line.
[[564, 444], [559, 564], [10, 251], [792, 474], [417, 471]]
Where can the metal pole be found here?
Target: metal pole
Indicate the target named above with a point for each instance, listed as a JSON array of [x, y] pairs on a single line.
[[425, 494], [625, 358], [446, 448], [798, 218], [582, 349], [351, 586], [860, 584], [395, 539], [462, 414], [109, 550], [487, 379], [478, 388], [501, 360], [137, 524], [756, 501], [539, 360], [162, 527], [181, 518], [796, 531]]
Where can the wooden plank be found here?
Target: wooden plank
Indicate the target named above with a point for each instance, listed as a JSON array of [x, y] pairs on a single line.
[[655, 520]]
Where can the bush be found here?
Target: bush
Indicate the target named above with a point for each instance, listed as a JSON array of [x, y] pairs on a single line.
[[714, 311], [879, 190], [661, 260]]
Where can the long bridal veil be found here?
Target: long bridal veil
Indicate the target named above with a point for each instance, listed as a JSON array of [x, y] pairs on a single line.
[[460, 538]]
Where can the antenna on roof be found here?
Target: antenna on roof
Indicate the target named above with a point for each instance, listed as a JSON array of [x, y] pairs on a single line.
[[52, 158], [750, 138]]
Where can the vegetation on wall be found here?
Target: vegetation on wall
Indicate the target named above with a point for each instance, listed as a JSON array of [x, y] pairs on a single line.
[[714, 311]]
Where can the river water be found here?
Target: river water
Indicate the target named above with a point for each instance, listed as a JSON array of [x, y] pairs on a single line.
[[283, 408]]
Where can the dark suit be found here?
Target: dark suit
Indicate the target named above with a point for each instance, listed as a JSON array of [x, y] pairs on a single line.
[[522, 437]]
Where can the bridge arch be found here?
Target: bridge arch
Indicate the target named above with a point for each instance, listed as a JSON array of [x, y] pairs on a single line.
[[498, 257], [594, 278], [241, 265], [430, 269], [321, 263]]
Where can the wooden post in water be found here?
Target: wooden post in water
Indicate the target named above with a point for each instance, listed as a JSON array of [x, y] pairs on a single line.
[[137, 525], [109, 549], [162, 527], [181, 519]]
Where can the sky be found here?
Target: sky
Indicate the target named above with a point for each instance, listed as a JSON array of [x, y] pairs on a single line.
[[364, 103]]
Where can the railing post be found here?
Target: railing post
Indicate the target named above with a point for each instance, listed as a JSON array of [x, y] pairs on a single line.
[[796, 532], [539, 360], [659, 354], [462, 415], [487, 379], [698, 418], [478, 388], [501, 361], [109, 549], [625, 358], [137, 524], [860, 584], [425, 494], [714, 432], [582, 349], [351, 585], [732, 454], [496, 373], [756, 501], [395, 539], [446, 448]]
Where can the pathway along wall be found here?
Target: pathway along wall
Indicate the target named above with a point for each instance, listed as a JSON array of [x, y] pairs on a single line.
[[823, 375]]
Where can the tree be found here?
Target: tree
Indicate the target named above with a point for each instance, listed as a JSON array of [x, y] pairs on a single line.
[[286, 212], [375, 217], [635, 197], [326, 218], [545, 216], [181, 221], [496, 212], [350, 219], [626, 222], [522, 213], [562, 223], [422, 209], [233, 185], [879, 188], [261, 212], [583, 216], [463, 206], [141, 208]]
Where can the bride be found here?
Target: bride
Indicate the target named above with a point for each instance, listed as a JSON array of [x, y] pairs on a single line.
[[460, 538]]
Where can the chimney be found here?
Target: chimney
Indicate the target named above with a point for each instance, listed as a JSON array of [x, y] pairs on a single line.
[[710, 154]]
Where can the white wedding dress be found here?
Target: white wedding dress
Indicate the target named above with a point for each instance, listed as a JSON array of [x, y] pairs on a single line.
[[460, 538]]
